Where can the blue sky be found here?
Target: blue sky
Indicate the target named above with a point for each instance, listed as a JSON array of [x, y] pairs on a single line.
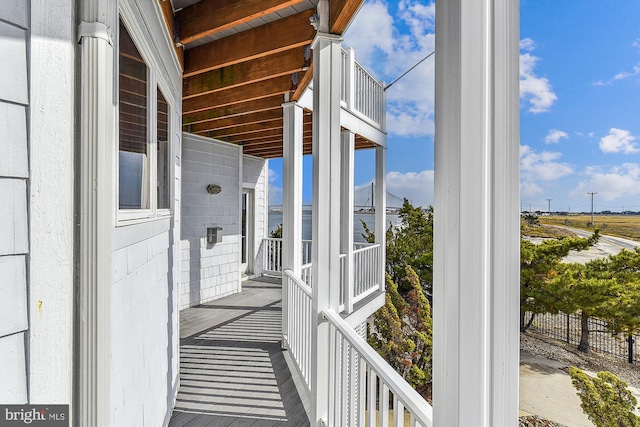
[[579, 93]]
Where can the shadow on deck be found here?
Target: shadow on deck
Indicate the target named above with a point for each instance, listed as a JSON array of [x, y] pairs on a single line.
[[232, 368]]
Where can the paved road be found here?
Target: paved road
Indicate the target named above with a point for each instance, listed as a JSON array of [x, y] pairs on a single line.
[[612, 240], [607, 245]]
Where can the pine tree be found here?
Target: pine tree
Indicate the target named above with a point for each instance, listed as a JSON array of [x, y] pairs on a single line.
[[402, 333], [539, 265], [409, 244], [605, 399]]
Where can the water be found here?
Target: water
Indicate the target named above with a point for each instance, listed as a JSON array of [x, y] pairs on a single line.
[[275, 219]]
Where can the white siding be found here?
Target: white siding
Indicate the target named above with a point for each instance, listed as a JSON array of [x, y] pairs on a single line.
[[14, 227], [255, 174], [209, 271], [145, 265]]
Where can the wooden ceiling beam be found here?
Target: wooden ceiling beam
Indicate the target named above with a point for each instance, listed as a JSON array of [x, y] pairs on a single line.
[[264, 104], [277, 36], [246, 129], [250, 92], [212, 16], [283, 63], [231, 122], [306, 79], [341, 12]]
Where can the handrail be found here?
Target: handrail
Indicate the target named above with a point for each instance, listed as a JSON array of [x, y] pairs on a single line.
[[366, 248], [299, 324], [406, 396], [305, 288]]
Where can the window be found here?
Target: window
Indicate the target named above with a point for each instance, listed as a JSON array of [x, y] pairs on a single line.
[[162, 156], [143, 139]]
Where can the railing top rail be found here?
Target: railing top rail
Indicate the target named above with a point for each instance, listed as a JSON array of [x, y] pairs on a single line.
[[346, 53], [366, 248], [411, 398], [305, 288], [364, 70], [274, 239]]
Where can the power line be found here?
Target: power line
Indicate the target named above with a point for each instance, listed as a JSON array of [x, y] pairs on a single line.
[[407, 72]]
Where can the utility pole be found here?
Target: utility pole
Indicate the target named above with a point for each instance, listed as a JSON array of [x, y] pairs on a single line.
[[592, 194], [549, 206]]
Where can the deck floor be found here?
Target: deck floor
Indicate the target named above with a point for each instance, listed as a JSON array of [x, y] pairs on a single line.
[[232, 368]]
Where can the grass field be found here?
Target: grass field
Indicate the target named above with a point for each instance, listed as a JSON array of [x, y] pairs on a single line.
[[615, 225]]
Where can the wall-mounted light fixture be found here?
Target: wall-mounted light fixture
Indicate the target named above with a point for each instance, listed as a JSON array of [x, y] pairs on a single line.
[[213, 189]]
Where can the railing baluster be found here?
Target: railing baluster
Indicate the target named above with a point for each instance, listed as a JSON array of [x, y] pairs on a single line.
[[384, 404], [372, 394]]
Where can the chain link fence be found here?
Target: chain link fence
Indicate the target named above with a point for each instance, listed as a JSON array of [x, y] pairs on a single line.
[[566, 327]]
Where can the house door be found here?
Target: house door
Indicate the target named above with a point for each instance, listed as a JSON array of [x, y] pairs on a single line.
[[247, 232]]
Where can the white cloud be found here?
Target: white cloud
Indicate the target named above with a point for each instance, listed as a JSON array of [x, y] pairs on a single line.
[[626, 74], [382, 49], [619, 141], [611, 184], [417, 187], [555, 136], [542, 166], [636, 43], [527, 44], [275, 191], [535, 90], [529, 189], [537, 168]]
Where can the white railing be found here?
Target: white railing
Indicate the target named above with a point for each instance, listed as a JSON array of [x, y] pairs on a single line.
[[306, 252], [366, 271], [299, 324], [272, 256], [305, 275], [361, 92], [362, 383]]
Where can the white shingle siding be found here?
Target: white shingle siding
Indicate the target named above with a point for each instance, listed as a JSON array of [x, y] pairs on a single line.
[[139, 317], [14, 220], [255, 173], [209, 271], [13, 372]]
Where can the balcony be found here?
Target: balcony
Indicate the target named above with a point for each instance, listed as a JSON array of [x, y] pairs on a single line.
[[365, 283], [234, 370]]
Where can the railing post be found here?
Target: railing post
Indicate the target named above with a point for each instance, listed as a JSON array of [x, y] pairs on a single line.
[[292, 201], [381, 211], [351, 72], [327, 56], [346, 221]]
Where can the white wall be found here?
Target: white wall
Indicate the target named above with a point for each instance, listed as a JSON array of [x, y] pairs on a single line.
[[14, 173], [209, 271], [51, 265], [145, 263], [255, 175]]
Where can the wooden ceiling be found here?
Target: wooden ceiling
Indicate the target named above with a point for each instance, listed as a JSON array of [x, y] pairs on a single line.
[[240, 57]]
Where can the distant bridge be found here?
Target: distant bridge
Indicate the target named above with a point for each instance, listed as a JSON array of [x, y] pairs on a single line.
[[363, 200]]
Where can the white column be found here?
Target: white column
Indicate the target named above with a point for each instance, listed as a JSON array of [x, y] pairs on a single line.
[[326, 210], [292, 200], [476, 259], [346, 211], [96, 198], [381, 208]]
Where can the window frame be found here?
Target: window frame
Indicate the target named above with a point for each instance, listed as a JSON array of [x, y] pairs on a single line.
[[155, 82]]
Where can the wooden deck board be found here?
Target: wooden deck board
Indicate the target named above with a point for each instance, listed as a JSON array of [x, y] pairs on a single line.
[[232, 369]]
